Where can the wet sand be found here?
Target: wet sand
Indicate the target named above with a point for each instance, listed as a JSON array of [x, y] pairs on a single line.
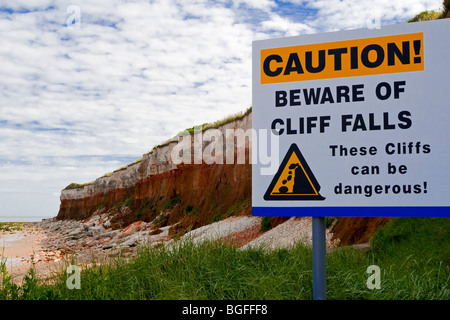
[[22, 250]]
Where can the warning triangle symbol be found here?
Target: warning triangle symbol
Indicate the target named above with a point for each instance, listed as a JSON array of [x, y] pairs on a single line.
[[294, 179]]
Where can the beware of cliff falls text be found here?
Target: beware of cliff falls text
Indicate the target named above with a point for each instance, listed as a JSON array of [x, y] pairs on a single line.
[[357, 122]]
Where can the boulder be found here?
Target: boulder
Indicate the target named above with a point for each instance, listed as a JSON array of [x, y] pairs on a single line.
[[110, 234], [132, 228]]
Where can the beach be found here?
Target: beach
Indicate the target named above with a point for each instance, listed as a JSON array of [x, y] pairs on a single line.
[[49, 245], [23, 248]]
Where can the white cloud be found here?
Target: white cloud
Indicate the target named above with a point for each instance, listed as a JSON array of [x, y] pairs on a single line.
[[336, 15], [285, 27], [265, 5]]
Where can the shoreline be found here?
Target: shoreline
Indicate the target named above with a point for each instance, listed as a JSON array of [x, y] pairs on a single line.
[[32, 247], [22, 219], [51, 244], [22, 249]]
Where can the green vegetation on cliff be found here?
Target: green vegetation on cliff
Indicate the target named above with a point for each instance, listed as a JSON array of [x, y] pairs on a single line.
[[74, 185], [206, 126], [426, 16], [432, 14]]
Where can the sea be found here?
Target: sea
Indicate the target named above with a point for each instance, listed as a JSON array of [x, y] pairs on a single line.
[[22, 219]]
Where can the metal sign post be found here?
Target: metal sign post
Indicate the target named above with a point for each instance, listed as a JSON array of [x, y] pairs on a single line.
[[319, 258]]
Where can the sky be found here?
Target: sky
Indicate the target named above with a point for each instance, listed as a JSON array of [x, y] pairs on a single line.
[[89, 86]]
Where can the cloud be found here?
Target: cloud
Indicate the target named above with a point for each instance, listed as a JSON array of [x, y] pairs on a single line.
[[265, 5], [282, 26], [333, 15]]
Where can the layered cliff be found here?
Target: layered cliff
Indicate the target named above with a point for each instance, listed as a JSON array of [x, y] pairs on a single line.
[[189, 194]]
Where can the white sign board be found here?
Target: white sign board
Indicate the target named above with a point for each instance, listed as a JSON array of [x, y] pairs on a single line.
[[362, 119]]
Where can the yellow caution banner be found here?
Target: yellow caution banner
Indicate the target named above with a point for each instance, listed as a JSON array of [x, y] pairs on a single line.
[[361, 57]]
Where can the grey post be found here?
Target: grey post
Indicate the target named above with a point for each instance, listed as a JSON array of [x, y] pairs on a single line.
[[319, 258]]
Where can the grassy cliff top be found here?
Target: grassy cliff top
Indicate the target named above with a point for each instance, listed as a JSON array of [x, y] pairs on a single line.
[[192, 130]]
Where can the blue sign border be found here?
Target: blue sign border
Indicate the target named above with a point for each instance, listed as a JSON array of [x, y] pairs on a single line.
[[425, 212]]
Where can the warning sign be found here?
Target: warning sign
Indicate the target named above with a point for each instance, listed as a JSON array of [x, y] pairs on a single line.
[[353, 123], [294, 179]]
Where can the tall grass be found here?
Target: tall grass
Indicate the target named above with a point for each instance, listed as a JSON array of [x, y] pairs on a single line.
[[192, 271], [412, 255]]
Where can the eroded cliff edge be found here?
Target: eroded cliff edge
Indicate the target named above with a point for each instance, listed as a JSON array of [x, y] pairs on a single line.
[[185, 196], [191, 195]]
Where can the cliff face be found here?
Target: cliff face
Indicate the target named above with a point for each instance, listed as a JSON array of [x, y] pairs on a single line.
[[185, 196], [188, 194]]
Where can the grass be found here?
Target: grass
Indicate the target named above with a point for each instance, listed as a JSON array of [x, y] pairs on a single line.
[[11, 226], [82, 185], [412, 253], [145, 208], [74, 185], [234, 209], [126, 202], [205, 126], [426, 16], [190, 209], [266, 224], [432, 14], [171, 203]]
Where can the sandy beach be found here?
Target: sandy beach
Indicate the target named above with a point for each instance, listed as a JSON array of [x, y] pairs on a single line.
[[24, 249]]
